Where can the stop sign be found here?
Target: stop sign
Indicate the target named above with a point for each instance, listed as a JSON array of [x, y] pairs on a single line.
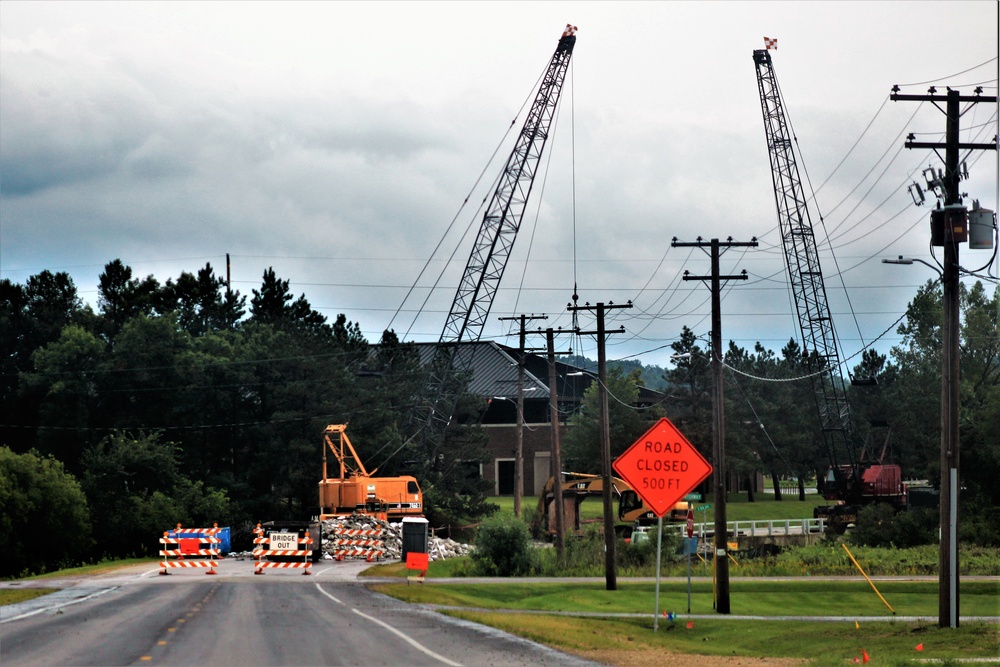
[[690, 523], [662, 466]]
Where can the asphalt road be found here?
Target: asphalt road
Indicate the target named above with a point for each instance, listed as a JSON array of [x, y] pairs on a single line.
[[236, 618]]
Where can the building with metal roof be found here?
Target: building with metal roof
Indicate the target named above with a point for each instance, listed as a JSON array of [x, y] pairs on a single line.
[[493, 372]]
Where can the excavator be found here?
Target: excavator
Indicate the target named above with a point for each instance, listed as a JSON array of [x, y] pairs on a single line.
[[577, 487]]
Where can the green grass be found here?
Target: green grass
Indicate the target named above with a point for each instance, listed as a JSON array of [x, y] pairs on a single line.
[[96, 568], [850, 598], [622, 641], [437, 569], [631, 641], [737, 508], [15, 595]]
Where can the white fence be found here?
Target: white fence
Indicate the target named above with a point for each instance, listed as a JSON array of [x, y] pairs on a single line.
[[761, 527]]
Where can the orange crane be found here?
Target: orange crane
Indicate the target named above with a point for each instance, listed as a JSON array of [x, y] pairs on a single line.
[[357, 491]]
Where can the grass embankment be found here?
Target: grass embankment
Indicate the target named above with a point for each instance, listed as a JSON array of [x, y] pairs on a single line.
[[102, 567], [631, 641], [13, 596], [849, 598], [728, 643], [721, 641]]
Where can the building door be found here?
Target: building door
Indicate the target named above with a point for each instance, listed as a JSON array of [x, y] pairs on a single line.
[[505, 477]]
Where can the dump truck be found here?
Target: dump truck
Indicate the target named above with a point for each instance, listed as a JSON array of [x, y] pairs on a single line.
[[357, 491]]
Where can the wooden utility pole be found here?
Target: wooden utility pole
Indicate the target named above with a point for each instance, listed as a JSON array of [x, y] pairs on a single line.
[[519, 451], [718, 413], [556, 456], [952, 228], [611, 578]]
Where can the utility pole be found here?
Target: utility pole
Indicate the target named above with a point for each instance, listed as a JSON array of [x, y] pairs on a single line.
[[949, 227], [611, 579], [519, 451], [556, 456], [718, 412]]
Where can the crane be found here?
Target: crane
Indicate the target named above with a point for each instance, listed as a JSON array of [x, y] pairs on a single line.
[[855, 482], [485, 267]]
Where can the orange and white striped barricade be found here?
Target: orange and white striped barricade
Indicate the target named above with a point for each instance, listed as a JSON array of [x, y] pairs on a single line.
[[364, 543], [196, 542], [281, 545]]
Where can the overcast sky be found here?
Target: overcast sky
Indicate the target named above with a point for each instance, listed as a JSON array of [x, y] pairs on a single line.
[[336, 142]]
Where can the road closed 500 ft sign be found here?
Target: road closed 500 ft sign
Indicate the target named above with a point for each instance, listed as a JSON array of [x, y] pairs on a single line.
[[662, 466]]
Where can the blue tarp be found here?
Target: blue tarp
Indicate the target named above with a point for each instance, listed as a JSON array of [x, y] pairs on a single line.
[[223, 536]]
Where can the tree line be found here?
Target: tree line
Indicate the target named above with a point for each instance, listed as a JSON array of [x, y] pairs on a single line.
[[186, 401], [772, 417]]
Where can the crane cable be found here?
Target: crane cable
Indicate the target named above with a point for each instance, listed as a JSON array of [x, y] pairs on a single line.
[[455, 218], [805, 171]]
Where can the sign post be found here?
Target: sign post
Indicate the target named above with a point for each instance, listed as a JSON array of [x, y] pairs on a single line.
[[687, 550], [662, 467]]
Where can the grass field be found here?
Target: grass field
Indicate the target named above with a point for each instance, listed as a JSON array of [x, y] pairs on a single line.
[[737, 508], [731, 643], [802, 597], [13, 595], [631, 641]]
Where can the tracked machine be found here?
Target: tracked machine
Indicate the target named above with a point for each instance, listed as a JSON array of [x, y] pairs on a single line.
[[855, 476], [356, 491]]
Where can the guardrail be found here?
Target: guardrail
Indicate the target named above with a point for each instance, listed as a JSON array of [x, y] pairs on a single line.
[[761, 527]]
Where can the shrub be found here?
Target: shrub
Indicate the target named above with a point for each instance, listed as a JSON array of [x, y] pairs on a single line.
[[881, 526], [503, 548], [44, 518]]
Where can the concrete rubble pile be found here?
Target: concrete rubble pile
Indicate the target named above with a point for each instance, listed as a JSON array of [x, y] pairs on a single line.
[[392, 538]]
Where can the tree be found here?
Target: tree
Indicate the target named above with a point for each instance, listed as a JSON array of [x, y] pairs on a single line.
[[690, 386], [121, 297], [64, 384], [202, 302], [273, 305], [136, 491], [44, 518], [31, 316], [582, 444]]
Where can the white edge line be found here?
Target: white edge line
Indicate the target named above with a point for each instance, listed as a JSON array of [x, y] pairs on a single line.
[[410, 640], [58, 606], [328, 595]]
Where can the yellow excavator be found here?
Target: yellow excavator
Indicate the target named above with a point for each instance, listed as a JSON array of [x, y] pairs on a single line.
[[577, 487]]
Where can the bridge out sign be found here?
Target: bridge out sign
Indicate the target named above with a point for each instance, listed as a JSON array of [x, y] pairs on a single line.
[[662, 467]]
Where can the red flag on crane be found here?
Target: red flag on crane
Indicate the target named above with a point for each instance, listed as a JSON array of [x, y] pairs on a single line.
[[771, 43]]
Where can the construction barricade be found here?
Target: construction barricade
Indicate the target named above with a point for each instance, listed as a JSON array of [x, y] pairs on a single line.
[[188, 545], [281, 545], [364, 543]]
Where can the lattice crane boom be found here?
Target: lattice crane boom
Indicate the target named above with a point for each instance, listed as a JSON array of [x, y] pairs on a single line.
[[804, 271], [474, 298]]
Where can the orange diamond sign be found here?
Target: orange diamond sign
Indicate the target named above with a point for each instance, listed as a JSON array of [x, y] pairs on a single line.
[[662, 466]]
